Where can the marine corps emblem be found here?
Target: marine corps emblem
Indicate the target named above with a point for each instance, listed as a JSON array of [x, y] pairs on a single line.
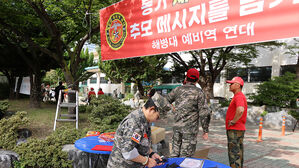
[[116, 31]]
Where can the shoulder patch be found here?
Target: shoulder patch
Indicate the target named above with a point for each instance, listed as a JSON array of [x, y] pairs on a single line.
[[136, 137]]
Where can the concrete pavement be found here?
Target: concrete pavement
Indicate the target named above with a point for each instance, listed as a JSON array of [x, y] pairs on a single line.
[[275, 151]]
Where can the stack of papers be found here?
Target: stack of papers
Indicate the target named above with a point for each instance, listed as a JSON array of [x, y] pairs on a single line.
[[192, 163]]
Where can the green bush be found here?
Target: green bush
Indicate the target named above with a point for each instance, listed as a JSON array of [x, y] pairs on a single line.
[[224, 102], [4, 90], [3, 107], [294, 114], [82, 108], [280, 92], [44, 153], [37, 153], [128, 96], [9, 128], [106, 113], [264, 113]]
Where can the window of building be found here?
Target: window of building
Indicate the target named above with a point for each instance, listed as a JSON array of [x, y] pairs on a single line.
[[241, 72], [287, 68], [260, 74], [93, 80], [103, 80]]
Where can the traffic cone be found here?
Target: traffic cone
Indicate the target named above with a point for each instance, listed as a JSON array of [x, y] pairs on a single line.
[[260, 130], [283, 125]]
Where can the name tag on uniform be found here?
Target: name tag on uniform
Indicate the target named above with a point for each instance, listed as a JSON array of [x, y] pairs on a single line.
[[136, 137]]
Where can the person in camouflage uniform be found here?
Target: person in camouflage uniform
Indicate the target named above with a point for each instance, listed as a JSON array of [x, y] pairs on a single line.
[[132, 141], [190, 109], [235, 123]]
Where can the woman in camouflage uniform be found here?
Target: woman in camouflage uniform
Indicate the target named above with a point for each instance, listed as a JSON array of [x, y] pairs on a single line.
[[132, 141]]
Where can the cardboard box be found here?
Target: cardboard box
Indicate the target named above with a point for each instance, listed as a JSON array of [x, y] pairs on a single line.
[[158, 134], [202, 154]]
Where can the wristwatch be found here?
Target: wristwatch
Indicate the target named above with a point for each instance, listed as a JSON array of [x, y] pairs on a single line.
[[146, 161]]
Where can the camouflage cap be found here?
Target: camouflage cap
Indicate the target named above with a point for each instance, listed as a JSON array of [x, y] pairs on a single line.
[[161, 102]]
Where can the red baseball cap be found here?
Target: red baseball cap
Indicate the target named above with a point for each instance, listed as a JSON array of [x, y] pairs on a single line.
[[236, 79], [193, 73]]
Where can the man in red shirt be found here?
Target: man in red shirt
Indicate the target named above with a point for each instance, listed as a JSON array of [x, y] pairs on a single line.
[[235, 123], [90, 93], [100, 92]]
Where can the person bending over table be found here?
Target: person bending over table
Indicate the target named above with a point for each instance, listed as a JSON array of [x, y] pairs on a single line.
[[132, 140]]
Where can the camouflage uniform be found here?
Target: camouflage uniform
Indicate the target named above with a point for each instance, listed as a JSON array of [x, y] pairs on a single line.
[[125, 145], [190, 108], [162, 103], [133, 137], [235, 147]]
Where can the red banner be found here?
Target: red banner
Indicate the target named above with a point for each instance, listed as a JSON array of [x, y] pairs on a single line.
[[133, 28]]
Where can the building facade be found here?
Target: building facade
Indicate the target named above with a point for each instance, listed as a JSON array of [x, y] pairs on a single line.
[[98, 80], [269, 64]]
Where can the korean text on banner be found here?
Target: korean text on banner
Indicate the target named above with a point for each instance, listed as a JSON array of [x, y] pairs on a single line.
[[133, 28]]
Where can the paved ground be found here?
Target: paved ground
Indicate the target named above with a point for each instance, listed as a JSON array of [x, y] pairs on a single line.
[[275, 151]]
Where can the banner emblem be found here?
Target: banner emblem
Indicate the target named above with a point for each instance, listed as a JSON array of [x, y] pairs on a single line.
[[116, 31]]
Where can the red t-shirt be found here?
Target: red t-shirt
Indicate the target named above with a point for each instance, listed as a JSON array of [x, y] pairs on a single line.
[[91, 93], [238, 100], [100, 92]]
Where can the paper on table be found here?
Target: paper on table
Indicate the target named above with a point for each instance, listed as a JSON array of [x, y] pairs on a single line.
[[192, 163]]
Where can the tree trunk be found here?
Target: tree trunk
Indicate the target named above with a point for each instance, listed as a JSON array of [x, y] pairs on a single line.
[[140, 88], [209, 91], [19, 83], [35, 90], [207, 86], [12, 91], [69, 80], [12, 84]]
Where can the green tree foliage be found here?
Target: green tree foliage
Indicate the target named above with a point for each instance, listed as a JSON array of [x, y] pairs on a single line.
[[58, 29], [106, 113], [3, 107], [137, 70], [19, 58], [9, 128], [87, 60], [211, 62], [294, 114], [280, 91], [10, 64], [53, 77], [44, 153]]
